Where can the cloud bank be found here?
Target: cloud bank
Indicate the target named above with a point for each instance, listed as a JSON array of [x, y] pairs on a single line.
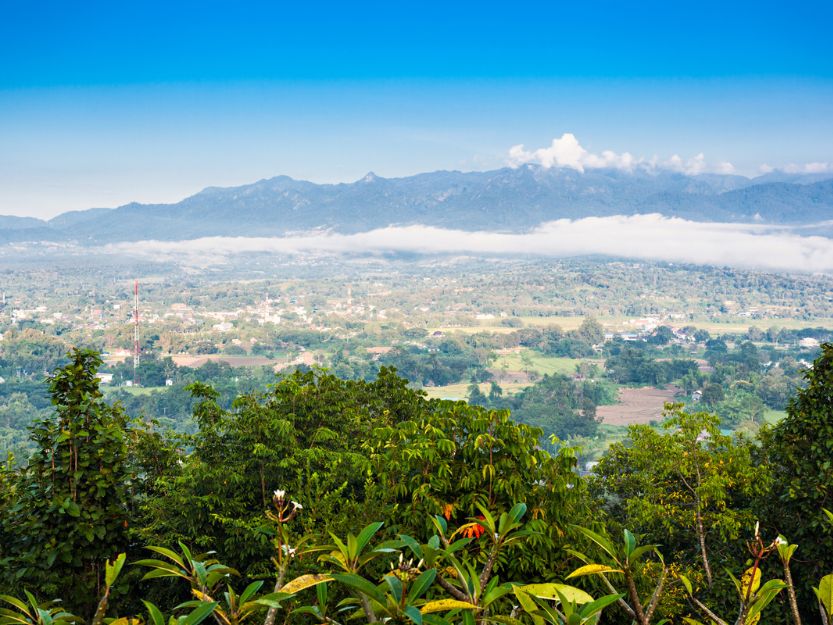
[[800, 168], [567, 151], [644, 237]]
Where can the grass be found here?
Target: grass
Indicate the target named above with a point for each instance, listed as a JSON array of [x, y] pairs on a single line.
[[132, 390], [592, 449], [461, 390], [614, 324], [474, 329], [524, 359], [773, 416], [566, 322]]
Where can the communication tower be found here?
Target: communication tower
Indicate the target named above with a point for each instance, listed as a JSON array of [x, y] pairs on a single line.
[[136, 348]]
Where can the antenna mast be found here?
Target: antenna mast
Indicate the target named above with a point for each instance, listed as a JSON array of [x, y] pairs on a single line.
[[136, 349]]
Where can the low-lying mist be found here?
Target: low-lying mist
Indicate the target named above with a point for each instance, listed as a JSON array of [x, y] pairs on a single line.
[[645, 237]]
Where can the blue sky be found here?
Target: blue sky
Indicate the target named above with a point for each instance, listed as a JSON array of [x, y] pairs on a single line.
[[107, 102]]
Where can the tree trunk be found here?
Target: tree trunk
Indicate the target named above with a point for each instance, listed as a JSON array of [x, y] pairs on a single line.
[[701, 537], [273, 612], [791, 592]]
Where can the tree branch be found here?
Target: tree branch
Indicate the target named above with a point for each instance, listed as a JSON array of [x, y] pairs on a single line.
[[705, 610], [452, 590], [654, 602], [622, 603]]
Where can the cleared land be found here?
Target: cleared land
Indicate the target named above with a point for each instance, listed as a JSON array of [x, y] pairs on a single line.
[[182, 360], [461, 391], [733, 325], [521, 359], [637, 405]]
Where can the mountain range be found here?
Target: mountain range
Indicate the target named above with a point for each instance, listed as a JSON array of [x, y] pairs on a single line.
[[509, 199]]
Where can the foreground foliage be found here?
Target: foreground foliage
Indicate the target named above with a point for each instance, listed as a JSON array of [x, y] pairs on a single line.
[[326, 501]]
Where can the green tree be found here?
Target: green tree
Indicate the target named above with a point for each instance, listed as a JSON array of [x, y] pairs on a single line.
[[687, 488], [559, 405], [800, 450], [304, 436], [591, 331], [455, 459], [71, 513]]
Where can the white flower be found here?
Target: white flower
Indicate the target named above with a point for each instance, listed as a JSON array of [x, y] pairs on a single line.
[[288, 551], [279, 494], [297, 506]]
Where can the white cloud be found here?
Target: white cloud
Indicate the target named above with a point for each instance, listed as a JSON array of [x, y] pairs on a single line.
[[567, 151], [640, 237], [809, 168]]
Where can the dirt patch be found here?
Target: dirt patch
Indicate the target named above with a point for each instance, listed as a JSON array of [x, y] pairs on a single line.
[[637, 405], [182, 360]]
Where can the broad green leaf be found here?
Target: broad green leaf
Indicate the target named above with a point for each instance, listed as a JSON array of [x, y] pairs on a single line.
[[200, 614], [528, 604], [112, 570], [250, 591], [413, 613], [19, 604], [273, 600], [168, 553], [517, 512], [356, 582], [421, 584], [763, 598], [594, 607], [639, 552], [395, 586], [155, 614], [630, 543], [552, 590], [366, 534], [825, 593], [412, 544], [601, 541]]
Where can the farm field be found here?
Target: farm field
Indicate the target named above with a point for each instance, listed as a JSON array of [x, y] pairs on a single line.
[[461, 391], [621, 323], [773, 416], [185, 360], [131, 390], [637, 405], [522, 359]]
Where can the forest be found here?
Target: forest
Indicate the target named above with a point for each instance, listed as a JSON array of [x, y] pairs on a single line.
[[317, 499]]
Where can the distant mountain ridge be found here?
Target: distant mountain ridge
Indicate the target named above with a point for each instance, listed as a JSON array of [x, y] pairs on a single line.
[[509, 199]]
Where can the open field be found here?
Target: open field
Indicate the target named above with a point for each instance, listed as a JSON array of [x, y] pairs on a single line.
[[624, 324], [566, 322], [773, 416], [185, 360], [132, 390], [521, 359], [487, 327], [461, 391], [637, 405]]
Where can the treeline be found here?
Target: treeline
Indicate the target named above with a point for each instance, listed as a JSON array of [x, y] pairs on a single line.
[[328, 500], [559, 405]]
